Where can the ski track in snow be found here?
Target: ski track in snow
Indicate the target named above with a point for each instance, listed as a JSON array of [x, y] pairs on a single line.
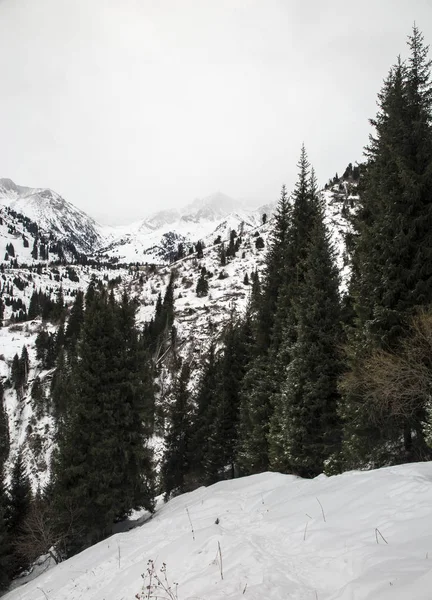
[[266, 551]]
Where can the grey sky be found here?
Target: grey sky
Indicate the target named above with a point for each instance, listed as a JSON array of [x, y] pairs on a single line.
[[128, 106]]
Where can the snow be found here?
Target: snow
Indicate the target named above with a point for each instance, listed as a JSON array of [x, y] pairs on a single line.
[[371, 539]]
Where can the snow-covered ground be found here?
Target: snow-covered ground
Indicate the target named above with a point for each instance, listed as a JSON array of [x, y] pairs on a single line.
[[357, 536]]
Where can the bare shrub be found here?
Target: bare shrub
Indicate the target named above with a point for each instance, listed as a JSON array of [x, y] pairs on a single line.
[[399, 382]]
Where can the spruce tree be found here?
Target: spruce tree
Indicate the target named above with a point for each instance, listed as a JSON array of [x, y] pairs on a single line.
[[309, 395], [5, 540], [221, 458], [4, 430], [75, 321], [18, 508], [102, 451], [255, 412], [203, 418], [392, 264], [273, 272], [202, 286], [175, 464]]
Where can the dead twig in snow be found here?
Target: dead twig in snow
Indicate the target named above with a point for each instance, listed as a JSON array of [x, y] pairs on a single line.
[[377, 531], [322, 510], [190, 521]]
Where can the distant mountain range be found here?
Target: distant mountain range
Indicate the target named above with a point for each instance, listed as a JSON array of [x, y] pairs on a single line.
[[153, 239]]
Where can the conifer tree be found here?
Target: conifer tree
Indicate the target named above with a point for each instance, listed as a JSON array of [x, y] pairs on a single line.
[[203, 418], [34, 306], [273, 273], [177, 441], [18, 508], [75, 321], [5, 541], [310, 427], [304, 211], [202, 286], [392, 270], [221, 458], [255, 413], [102, 450], [4, 430]]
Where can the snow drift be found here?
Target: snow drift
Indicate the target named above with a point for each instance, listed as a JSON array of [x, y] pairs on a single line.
[[356, 536]]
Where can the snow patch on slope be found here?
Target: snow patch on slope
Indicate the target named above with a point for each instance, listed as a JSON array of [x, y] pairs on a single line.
[[275, 542]]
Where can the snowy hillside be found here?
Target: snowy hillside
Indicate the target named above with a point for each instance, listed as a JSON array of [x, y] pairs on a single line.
[[198, 319], [157, 237], [52, 213], [356, 536]]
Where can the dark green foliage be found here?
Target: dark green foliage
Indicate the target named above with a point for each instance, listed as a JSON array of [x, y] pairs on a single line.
[[222, 255], [259, 243], [304, 211], [157, 332], [203, 418], [273, 273], [38, 397], [4, 430], [231, 250], [107, 418], [255, 412], [20, 370], [392, 273], [306, 406], [61, 386], [220, 459], [18, 508], [46, 349], [34, 309], [75, 321], [5, 540], [175, 464], [202, 287], [180, 252], [199, 249], [34, 251]]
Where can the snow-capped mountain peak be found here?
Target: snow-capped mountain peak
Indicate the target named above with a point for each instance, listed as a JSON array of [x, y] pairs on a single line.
[[52, 213]]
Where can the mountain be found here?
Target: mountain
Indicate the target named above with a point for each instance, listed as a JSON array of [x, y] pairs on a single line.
[[157, 237], [153, 239], [53, 214]]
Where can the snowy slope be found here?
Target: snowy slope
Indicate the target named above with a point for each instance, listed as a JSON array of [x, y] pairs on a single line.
[[197, 319], [52, 213], [157, 237], [371, 539]]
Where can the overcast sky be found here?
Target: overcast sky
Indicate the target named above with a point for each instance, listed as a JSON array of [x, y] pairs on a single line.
[[128, 106]]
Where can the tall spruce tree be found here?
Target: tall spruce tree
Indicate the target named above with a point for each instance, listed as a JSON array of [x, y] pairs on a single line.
[[5, 540], [203, 418], [304, 214], [221, 458], [18, 508], [175, 464], [392, 270], [4, 430], [102, 451], [273, 277], [76, 319], [310, 426], [255, 413]]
